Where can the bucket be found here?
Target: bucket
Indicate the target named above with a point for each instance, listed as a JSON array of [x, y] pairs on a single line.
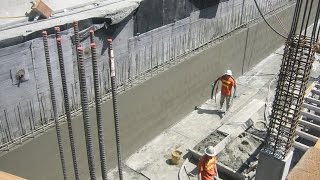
[[176, 155]]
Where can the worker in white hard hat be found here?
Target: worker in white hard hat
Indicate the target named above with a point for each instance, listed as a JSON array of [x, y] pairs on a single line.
[[207, 166], [226, 88]]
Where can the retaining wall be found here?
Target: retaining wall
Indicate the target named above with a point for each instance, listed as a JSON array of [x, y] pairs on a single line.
[[149, 108]]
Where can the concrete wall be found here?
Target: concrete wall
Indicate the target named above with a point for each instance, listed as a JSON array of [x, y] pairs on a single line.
[[149, 108], [27, 107]]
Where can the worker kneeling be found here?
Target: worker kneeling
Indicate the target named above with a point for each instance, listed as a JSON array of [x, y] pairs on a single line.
[[207, 166], [226, 88]]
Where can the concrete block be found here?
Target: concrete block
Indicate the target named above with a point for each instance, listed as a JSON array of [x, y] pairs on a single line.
[[270, 167]]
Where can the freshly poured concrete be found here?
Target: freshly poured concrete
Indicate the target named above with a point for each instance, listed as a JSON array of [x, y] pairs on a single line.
[[146, 110]]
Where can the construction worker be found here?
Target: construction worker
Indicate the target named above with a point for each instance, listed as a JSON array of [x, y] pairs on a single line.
[[207, 166], [226, 88]]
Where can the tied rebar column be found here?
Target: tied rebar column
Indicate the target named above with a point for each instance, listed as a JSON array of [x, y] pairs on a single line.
[[115, 106], [98, 101], [54, 103], [293, 78], [66, 102]]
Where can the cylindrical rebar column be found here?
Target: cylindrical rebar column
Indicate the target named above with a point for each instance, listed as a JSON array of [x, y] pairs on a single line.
[[85, 113], [98, 101], [54, 104], [115, 106], [66, 102]]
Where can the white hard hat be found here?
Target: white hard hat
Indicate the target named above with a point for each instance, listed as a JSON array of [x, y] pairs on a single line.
[[210, 151], [229, 72]]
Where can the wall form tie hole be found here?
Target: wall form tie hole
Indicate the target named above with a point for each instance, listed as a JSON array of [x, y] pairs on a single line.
[[20, 75]]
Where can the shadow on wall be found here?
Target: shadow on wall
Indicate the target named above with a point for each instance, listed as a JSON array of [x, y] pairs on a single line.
[[111, 31], [208, 8], [169, 11]]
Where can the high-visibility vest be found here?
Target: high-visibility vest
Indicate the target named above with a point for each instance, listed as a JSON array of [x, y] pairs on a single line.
[[227, 84]]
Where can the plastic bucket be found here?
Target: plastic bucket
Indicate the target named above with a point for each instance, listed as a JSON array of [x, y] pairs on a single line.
[[175, 157]]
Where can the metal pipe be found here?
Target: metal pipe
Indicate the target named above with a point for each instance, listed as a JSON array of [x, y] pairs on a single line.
[[98, 102], [53, 101], [66, 101], [115, 106], [85, 113]]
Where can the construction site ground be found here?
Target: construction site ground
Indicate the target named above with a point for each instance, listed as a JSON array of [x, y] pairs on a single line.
[[255, 90]]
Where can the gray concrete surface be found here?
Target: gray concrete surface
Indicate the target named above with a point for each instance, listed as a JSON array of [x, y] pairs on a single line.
[[146, 110]]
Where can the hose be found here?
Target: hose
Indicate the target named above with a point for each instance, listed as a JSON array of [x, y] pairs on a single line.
[[267, 21]]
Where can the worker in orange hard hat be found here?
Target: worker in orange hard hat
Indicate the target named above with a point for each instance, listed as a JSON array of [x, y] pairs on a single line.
[[207, 166], [226, 88]]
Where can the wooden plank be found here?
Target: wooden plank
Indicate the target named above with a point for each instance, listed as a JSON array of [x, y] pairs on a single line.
[[317, 145], [7, 176]]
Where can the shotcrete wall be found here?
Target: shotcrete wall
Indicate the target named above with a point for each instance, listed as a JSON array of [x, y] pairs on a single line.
[[149, 108], [26, 106]]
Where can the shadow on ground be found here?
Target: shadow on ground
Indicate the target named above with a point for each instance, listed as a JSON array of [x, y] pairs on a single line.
[[209, 111]]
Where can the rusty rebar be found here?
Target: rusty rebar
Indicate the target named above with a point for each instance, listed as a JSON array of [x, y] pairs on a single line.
[[293, 78]]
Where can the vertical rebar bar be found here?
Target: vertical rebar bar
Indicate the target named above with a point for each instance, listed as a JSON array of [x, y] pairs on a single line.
[[66, 101], [85, 113], [98, 101], [115, 106], [53, 101]]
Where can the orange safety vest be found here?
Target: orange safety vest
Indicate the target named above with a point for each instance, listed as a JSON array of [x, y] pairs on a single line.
[[227, 84], [207, 168]]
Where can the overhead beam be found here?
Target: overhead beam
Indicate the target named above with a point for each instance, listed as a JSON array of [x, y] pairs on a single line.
[[315, 91], [307, 136], [310, 116], [309, 124], [300, 146], [311, 107], [312, 100]]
